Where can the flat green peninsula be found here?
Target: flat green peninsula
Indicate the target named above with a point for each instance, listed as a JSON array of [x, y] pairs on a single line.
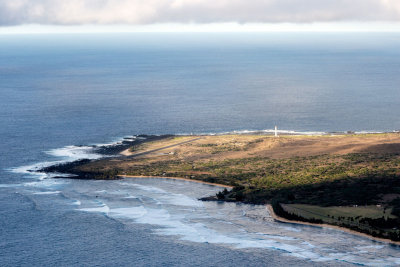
[[350, 180]]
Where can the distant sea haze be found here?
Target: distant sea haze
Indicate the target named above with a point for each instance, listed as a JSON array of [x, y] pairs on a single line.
[[61, 94], [182, 83]]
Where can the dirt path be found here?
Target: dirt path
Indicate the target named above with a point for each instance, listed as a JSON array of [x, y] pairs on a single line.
[[161, 148]]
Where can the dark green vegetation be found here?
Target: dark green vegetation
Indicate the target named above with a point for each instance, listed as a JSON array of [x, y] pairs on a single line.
[[327, 180], [374, 220], [349, 180]]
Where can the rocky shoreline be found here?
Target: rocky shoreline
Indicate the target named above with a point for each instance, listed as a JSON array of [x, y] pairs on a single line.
[[336, 170], [71, 170]]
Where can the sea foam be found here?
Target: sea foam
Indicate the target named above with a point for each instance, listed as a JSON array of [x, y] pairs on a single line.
[[47, 193]]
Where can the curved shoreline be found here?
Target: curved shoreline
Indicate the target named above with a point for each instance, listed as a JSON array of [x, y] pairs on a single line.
[[105, 169], [272, 213], [347, 230], [175, 178]]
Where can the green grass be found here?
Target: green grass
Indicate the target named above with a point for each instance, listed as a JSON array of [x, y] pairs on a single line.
[[309, 211], [315, 185], [373, 220]]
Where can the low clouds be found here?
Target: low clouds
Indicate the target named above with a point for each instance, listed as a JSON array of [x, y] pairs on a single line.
[[76, 12]]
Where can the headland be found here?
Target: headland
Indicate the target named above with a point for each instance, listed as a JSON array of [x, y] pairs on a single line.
[[345, 180]]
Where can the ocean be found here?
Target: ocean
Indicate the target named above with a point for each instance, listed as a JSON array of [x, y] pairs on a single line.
[[63, 95]]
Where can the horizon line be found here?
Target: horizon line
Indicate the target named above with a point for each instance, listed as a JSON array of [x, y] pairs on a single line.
[[336, 27]]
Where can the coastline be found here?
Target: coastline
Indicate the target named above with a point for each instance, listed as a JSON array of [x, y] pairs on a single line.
[[272, 213], [175, 178], [343, 229], [190, 155]]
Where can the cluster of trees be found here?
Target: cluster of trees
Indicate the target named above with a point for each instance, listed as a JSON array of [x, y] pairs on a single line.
[[359, 179], [292, 216], [325, 180], [396, 207], [383, 233], [379, 227], [385, 223]]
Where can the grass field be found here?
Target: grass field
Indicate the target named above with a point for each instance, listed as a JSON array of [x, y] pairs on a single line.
[[374, 219], [322, 171], [327, 213]]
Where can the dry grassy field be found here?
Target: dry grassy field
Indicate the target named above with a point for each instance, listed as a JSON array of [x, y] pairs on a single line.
[[320, 172]]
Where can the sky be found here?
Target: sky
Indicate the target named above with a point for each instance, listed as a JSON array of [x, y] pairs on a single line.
[[36, 16]]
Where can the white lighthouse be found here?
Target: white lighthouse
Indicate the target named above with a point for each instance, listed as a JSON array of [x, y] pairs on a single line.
[[276, 131]]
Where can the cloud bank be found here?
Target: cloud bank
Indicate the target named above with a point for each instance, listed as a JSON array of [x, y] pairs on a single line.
[[139, 12]]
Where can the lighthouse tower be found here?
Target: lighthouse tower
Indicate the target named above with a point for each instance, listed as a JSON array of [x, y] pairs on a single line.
[[276, 131]]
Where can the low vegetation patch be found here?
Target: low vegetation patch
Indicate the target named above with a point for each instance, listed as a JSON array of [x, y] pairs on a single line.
[[335, 186]]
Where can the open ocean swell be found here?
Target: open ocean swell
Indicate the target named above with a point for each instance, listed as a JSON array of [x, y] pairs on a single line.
[[171, 209], [59, 96]]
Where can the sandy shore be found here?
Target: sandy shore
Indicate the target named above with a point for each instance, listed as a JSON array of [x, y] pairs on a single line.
[[280, 219], [272, 213], [235, 155], [176, 178]]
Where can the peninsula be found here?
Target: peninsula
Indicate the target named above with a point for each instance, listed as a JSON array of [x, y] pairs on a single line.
[[346, 180]]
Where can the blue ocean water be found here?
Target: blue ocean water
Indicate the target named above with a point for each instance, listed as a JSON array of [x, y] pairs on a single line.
[[61, 92]]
